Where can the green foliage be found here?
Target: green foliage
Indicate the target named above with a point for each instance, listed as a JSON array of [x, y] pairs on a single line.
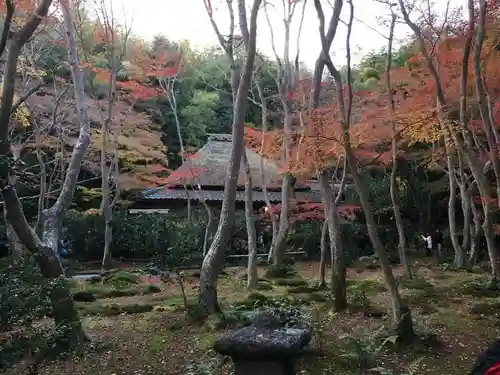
[[92, 292], [24, 293], [280, 271], [172, 241], [198, 115], [114, 309], [202, 367], [307, 236], [121, 279], [364, 351]]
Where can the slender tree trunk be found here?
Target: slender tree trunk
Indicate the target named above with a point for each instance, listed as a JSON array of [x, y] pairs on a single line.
[[263, 179], [394, 148], [338, 276], [284, 223], [107, 259], [465, 200], [459, 259], [401, 312], [213, 262], [482, 98], [475, 230], [324, 250], [253, 278]]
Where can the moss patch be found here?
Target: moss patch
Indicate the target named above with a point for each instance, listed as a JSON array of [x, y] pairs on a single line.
[[415, 283], [114, 309], [296, 282]]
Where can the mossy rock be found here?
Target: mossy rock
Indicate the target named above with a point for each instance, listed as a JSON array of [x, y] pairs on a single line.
[[291, 282], [280, 271], [84, 296]]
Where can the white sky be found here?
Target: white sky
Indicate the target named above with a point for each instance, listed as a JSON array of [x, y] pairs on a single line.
[[187, 19]]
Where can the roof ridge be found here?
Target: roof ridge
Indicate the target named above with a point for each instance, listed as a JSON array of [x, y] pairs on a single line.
[[224, 137]]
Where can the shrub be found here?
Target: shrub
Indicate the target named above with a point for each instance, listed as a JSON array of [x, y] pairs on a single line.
[[84, 296], [276, 271], [121, 279], [24, 293]]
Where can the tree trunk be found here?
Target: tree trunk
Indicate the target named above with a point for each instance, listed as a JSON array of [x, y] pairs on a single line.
[[284, 223], [401, 314], [475, 230], [338, 276], [459, 259], [107, 260], [16, 247], [322, 262], [263, 179], [213, 261], [394, 149], [252, 277], [482, 98], [63, 307]]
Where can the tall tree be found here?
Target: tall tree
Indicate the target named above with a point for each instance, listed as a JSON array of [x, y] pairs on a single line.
[[286, 80], [332, 218], [401, 313], [214, 260], [46, 248], [394, 148]]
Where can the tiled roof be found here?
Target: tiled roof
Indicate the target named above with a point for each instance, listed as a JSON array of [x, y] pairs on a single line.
[[217, 195]]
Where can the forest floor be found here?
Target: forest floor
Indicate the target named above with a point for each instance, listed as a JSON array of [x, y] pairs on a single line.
[[455, 315]]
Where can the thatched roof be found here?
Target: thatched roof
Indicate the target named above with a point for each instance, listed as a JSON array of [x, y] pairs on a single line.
[[208, 169], [208, 166]]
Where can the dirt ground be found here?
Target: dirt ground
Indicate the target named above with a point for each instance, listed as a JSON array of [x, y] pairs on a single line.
[[452, 326]]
